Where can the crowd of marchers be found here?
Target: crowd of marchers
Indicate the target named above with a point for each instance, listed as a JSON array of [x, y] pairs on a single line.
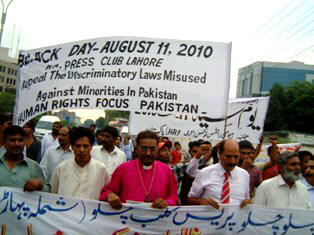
[[101, 165]]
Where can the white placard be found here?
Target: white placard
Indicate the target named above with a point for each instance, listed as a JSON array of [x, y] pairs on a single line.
[[125, 73], [245, 121], [43, 213]]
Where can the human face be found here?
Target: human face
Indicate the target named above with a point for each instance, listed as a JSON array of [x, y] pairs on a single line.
[[206, 148], [118, 141], [100, 138], [64, 136], [304, 162], [14, 146], [108, 141], [147, 151], [6, 124], [194, 150], [230, 156], [291, 171], [82, 148], [28, 130], [55, 129], [164, 155], [309, 170], [244, 154]]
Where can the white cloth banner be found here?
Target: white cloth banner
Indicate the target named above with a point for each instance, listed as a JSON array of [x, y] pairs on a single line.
[[42, 213], [245, 121], [125, 73]]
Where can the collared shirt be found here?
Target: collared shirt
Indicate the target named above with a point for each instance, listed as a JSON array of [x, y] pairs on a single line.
[[130, 178], [309, 187], [24, 171], [46, 142], [70, 179], [53, 157], [255, 178], [274, 192], [209, 181], [111, 160], [34, 150]]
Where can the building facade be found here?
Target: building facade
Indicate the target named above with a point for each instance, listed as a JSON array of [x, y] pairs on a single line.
[[8, 71], [258, 78]]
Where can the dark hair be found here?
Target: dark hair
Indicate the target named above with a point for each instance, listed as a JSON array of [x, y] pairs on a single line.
[[215, 154], [31, 124], [303, 154], [176, 143], [269, 150], [111, 130], [193, 144], [58, 123], [92, 125], [284, 157], [13, 130], [206, 142], [146, 135], [99, 131], [245, 144], [80, 132], [4, 117]]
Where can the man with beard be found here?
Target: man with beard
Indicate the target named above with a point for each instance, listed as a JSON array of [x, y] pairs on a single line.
[[108, 152], [284, 190], [222, 183], [16, 170], [143, 179], [51, 138], [57, 153]]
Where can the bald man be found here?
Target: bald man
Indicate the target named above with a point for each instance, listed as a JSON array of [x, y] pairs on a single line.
[[222, 183]]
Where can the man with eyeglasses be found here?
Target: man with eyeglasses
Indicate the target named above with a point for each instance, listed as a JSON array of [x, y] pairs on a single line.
[[222, 183], [142, 179]]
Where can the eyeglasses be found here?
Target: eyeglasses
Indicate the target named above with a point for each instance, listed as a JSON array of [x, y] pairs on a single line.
[[145, 148]]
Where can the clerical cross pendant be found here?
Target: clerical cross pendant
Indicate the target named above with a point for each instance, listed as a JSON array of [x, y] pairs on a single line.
[[147, 199]]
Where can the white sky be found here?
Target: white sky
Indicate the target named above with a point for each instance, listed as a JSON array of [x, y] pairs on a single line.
[[268, 30]]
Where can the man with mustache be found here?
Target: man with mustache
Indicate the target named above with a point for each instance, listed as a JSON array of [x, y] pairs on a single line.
[[308, 177], [284, 190], [143, 179], [222, 183], [50, 139], [16, 170], [108, 153]]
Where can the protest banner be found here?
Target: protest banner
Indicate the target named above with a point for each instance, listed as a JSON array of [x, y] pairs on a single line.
[[245, 121], [43, 213], [263, 157], [125, 73]]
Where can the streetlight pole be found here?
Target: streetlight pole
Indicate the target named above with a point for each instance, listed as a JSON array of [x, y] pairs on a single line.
[[4, 15]]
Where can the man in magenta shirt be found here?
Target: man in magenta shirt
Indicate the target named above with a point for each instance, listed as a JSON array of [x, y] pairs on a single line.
[[143, 179]]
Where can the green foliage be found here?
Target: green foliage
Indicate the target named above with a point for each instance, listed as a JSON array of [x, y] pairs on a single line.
[[88, 122], [100, 122], [112, 114], [291, 108], [7, 102]]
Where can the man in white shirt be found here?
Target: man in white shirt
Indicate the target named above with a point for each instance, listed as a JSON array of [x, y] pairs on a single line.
[[50, 139], [81, 176], [284, 190], [222, 183], [308, 179], [108, 153], [57, 153]]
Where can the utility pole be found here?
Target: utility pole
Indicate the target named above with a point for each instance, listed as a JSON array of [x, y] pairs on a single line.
[[4, 15]]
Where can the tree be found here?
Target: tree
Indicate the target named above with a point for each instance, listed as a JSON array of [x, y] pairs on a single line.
[[100, 122], [291, 108], [88, 122], [7, 102], [112, 114]]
